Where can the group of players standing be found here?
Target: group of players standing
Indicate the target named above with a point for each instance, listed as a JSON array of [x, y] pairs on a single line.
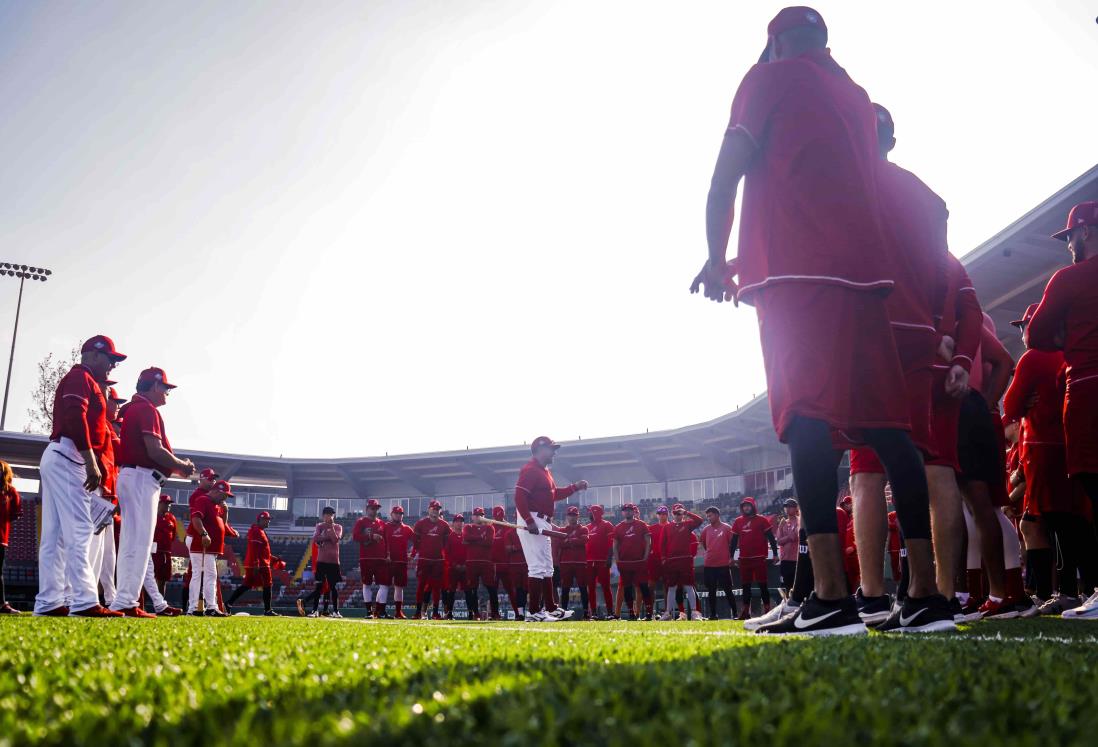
[[874, 341]]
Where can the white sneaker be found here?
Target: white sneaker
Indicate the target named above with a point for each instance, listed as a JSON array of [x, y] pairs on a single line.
[[682, 616], [665, 617], [314, 613], [336, 615], [560, 614], [536, 617], [776, 613], [1088, 610]]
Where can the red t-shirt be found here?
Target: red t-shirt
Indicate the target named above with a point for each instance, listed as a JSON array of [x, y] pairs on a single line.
[[678, 536], [79, 410], [600, 540], [213, 523], [455, 551], [536, 491], [752, 533], [500, 544], [717, 540], [1038, 372], [11, 505], [478, 542], [1070, 304], [814, 175], [631, 538], [573, 548], [258, 554], [141, 419], [370, 536], [397, 537], [165, 532], [430, 537], [656, 530]]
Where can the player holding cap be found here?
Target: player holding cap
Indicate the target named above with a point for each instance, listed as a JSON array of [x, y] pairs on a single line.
[[373, 558], [600, 540], [207, 533], [258, 565], [1067, 319], [632, 544], [429, 536], [678, 564], [535, 494], [814, 262], [146, 461], [398, 535], [70, 478]]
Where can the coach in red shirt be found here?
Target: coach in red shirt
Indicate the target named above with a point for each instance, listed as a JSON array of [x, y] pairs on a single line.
[[679, 549], [815, 262], [258, 565], [208, 531]]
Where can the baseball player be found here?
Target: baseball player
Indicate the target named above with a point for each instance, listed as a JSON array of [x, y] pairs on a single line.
[[510, 575], [810, 158], [716, 544], [159, 569], [398, 535], [326, 538], [11, 508], [70, 478], [146, 460], [107, 553], [600, 542], [456, 571], [632, 545], [751, 534], [373, 558], [678, 564], [206, 479], [259, 565], [535, 494], [479, 568], [1067, 319], [429, 536], [573, 559], [655, 559], [208, 531]]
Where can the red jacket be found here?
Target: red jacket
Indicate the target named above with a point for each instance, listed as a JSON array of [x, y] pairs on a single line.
[[477, 539], [370, 536], [455, 551], [573, 548], [11, 506]]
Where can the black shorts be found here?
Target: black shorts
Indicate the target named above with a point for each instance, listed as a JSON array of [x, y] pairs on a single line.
[[977, 443], [789, 572], [328, 572], [719, 577]]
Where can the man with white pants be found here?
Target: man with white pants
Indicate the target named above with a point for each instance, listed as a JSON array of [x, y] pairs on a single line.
[[104, 549], [70, 477], [535, 494], [208, 529], [146, 460]]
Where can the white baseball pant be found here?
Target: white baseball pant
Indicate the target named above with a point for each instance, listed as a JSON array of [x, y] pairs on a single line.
[[153, 593], [538, 550], [106, 568], [204, 572], [138, 494], [64, 550]]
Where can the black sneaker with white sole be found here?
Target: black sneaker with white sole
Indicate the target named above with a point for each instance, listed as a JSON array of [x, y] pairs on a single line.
[[931, 614], [873, 610], [818, 618]]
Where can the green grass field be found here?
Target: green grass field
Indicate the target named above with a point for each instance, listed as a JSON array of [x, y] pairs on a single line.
[[253, 681]]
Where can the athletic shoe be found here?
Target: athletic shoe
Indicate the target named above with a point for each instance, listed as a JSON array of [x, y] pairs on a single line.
[[1088, 610], [665, 617], [1002, 610], [745, 613], [100, 611], [1058, 604], [271, 613], [682, 617], [1026, 607], [7, 609], [215, 612], [925, 615], [400, 614], [437, 616], [138, 612], [971, 609], [336, 615], [892, 622], [536, 617], [300, 608], [418, 615], [816, 617], [61, 611], [776, 613], [313, 614], [560, 613], [872, 610], [955, 608], [170, 611], [196, 613]]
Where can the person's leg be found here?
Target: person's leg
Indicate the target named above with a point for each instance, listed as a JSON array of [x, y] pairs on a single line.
[[745, 595], [51, 557], [194, 588], [646, 597], [212, 585], [604, 581], [619, 593], [671, 597], [709, 578], [725, 582], [151, 591], [593, 575], [1012, 559], [947, 525], [241, 591], [628, 594], [870, 529], [547, 594], [764, 592], [989, 539], [815, 463], [691, 601], [421, 587], [1038, 554], [381, 598], [266, 598], [804, 579]]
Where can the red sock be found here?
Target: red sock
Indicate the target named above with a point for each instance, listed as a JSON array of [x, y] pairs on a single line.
[[1016, 589], [975, 578], [547, 594], [533, 595]]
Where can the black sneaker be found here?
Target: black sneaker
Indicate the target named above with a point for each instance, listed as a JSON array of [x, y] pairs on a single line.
[[931, 614], [955, 608], [892, 622], [214, 612], [1026, 606], [817, 617], [872, 610], [271, 613]]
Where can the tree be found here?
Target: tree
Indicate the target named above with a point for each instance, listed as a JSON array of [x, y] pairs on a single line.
[[51, 370]]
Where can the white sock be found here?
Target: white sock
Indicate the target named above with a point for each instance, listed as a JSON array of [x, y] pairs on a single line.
[[962, 597], [671, 599], [692, 599], [382, 594], [367, 594], [398, 594]]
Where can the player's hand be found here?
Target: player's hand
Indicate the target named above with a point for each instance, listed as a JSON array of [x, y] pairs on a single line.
[[92, 476], [946, 348], [205, 541], [531, 527], [718, 283], [186, 467], [582, 485], [956, 384]]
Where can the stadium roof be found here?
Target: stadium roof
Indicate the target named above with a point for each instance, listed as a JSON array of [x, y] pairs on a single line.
[[1009, 271]]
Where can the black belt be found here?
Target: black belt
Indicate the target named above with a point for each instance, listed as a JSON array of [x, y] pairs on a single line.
[[156, 475], [542, 516]]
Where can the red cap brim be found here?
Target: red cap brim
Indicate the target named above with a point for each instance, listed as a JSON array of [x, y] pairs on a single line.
[[1062, 235]]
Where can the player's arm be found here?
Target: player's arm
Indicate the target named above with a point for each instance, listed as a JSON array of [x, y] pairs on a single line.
[[647, 546], [1022, 387], [74, 426], [733, 545], [1045, 330], [523, 490], [970, 322], [773, 542], [168, 461], [1002, 366], [199, 528], [560, 494]]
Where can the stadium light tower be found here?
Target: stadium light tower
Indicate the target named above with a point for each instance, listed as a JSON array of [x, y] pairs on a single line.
[[24, 273]]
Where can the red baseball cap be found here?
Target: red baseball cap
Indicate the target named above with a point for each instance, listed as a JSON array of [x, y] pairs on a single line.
[[397, 510], [478, 511], [1030, 311], [499, 511], [112, 395], [223, 486], [793, 17], [629, 507], [573, 511], [1083, 214], [208, 474], [678, 507], [458, 517], [372, 504], [884, 117], [154, 375], [434, 504], [165, 498], [543, 441], [263, 515], [102, 344]]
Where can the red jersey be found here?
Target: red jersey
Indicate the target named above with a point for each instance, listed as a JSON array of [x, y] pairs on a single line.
[[11, 506], [631, 538], [678, 536], [656, 530], [1070, 305], [258, 554], [397, 537], [501, 544], [370, 536], [600, 539], [573, 548], [142, 419], [751, 531], [477, 539], [1038, 372], [430, 537], [165, 532], [213, 522], [455, 552], [79, 410], [814, 173], [717, 541], [536, 491], [962, 318]]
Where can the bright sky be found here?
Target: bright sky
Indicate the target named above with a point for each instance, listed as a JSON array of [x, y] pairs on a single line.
[[365, 227]]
